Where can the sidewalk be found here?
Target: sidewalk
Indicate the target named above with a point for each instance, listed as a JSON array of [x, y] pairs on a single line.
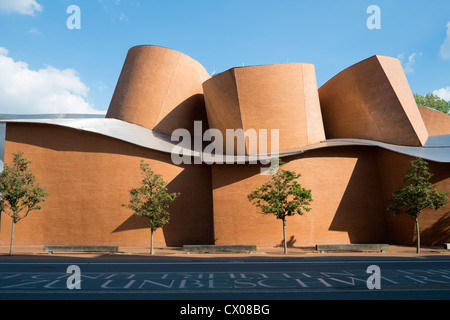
[[262, 252]]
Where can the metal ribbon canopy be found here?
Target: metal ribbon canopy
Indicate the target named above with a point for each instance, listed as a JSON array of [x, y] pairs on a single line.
[[437, 148]]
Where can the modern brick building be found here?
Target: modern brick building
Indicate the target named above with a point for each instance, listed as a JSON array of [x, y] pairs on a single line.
[[352, 140]]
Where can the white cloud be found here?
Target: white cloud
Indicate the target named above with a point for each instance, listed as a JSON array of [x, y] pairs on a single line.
[[49, 90], [27, 7], [34, 31], [445, 47], [408, 65], [123, 17], [101, 86], [443, 93]]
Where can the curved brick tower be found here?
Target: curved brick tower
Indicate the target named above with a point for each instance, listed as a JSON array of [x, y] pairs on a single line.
[[159, 89], [282, 97], [372, 100]]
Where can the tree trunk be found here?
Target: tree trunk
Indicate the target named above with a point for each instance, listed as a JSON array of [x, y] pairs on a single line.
[[12, 239], [418, 235], [284, 236], [151, 242]]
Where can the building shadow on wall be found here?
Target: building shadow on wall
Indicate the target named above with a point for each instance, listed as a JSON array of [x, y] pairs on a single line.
[[438, 233], [134, 222], [361, 211], [190, 110], [188, 224], [191, 217]]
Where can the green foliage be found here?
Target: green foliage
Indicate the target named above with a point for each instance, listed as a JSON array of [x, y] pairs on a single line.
[[19, 193], [432, 101], [151, 199], [418, 193], [282, 196]]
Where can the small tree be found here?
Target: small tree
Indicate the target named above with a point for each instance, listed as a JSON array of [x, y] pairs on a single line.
[[151, 200], [19, 192], [282, 196], [417, 195]]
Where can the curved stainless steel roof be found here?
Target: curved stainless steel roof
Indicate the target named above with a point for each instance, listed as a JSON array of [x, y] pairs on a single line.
[[112, 128], [437, 148]]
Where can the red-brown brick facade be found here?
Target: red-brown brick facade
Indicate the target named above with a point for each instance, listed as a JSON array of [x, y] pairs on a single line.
[[88, 174]]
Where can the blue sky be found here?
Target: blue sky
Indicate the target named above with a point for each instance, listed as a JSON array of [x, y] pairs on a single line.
[[45, 67]]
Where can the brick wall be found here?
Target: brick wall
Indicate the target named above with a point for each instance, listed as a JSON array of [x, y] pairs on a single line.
[[434, 225], [347, 204], [88, 177]]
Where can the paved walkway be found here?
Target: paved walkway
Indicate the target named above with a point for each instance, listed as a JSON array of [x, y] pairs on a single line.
[[262, 252]]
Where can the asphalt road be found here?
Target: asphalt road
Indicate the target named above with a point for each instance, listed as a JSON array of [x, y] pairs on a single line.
[[422, 278]]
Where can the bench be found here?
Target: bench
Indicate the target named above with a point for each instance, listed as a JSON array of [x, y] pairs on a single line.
[[87, 249], [352, 247], [219, 248]]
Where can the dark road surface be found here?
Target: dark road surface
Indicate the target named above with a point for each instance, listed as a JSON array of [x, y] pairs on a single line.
[[257, 280]]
